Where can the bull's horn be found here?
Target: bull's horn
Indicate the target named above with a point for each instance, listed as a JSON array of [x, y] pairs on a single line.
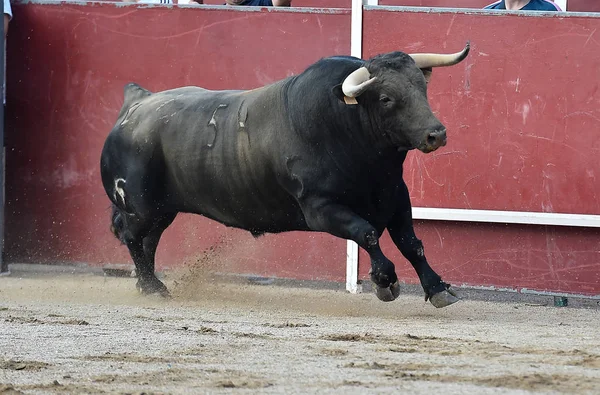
[[357, 82], [428, 60]]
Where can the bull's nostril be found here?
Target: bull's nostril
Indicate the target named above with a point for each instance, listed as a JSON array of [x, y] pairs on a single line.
[[431, 139]]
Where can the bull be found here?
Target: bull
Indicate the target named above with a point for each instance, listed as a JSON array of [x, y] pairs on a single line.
[[320, 151]]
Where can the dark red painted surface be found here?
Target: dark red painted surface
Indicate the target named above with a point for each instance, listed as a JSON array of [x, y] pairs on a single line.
[[522, 114], [572, 5], [583, 5], [67, 65], [303, 3]]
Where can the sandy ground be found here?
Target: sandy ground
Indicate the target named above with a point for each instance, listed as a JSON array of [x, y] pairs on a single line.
[[84, 333]]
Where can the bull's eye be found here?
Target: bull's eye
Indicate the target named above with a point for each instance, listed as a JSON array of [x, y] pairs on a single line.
[[385, 99]]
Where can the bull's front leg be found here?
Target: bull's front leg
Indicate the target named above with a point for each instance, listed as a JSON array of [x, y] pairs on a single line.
[[402, 232], [341, 221]]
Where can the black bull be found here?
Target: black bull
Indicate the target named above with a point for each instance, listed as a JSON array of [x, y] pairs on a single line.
[[320, 151]]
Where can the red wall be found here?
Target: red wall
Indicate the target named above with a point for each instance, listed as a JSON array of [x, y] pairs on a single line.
[[572, 5], [303, 3], [522, 113], [67, 65], [583, 5]]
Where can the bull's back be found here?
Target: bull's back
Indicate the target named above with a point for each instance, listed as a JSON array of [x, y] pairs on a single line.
[[212, 153]]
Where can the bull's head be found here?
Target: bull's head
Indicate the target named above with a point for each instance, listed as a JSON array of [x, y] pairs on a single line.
[[393, 87]]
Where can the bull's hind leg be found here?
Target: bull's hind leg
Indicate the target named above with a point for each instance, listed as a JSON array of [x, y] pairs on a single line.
[[402, 232], [141, 236], [148, 283]]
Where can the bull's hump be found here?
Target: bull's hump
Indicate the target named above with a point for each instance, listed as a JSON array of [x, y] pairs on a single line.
[[134, 93]]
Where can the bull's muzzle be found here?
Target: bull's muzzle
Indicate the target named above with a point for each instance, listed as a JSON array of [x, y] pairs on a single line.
[[434, 140]]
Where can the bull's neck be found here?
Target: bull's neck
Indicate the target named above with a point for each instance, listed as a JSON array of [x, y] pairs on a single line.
[[344, 131], [360, 144]]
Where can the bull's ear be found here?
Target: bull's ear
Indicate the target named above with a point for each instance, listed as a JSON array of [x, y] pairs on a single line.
[[427, 73], [337, 91]]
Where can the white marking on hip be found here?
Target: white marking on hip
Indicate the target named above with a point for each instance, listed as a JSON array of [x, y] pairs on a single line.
[[119, 183]]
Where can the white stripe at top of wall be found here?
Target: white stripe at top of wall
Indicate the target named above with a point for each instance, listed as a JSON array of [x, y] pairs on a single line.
[[507, 217]]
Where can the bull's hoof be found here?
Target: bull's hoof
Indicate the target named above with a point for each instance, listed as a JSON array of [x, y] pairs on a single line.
[[388, 294], [151, 287], [444, 298]]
